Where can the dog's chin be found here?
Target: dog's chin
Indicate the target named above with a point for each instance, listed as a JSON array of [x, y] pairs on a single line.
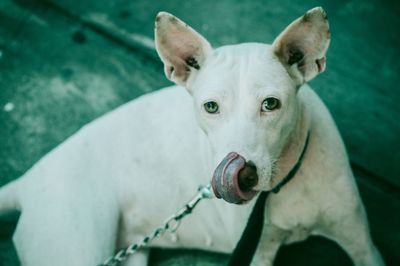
[[244, 201], [264, 184], [232, 195]]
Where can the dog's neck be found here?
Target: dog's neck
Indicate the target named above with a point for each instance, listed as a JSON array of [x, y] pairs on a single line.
[[294, 147]]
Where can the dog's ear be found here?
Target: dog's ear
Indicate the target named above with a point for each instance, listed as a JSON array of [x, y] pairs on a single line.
[[302, 46], [181, 48]]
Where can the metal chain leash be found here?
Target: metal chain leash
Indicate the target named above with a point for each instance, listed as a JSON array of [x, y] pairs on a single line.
[[170, 225]]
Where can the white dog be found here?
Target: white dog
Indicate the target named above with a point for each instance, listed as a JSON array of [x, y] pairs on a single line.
[[120, 176]]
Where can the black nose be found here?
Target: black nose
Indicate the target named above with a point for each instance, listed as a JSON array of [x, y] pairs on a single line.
[[248, 177]]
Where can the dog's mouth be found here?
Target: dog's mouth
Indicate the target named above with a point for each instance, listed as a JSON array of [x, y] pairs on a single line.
[[234, 179]]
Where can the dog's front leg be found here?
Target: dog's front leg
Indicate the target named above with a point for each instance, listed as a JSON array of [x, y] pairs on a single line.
[[351, 232], [271, 239]]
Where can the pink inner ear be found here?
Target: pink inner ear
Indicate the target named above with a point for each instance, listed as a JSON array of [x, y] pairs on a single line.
[[180, 47], [168, 70], [180, 44], [321, 63]]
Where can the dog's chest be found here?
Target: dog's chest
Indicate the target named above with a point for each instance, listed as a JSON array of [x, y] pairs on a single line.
[[294, 213]]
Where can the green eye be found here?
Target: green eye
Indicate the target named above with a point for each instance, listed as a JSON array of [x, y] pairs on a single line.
[[211, 107], [270, 104]]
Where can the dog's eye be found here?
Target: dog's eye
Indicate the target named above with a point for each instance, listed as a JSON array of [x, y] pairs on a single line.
[[270, 104], [211, 107]]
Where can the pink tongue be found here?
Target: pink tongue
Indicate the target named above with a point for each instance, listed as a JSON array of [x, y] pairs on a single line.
[[225, 181]]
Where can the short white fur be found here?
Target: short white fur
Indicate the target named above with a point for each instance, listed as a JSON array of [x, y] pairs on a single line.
[[120, 176]]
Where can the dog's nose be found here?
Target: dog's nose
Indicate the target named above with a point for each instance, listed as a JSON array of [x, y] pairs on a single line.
[[248, 177]]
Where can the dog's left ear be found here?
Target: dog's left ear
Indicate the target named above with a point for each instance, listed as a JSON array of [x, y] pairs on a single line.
[[302, 46], [181, 48]]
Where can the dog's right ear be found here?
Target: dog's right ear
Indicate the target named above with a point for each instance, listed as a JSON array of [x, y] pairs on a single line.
[[181, 48], [302, 46]]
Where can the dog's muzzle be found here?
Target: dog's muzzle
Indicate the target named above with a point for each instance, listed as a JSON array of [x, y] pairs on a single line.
[[234, 179]]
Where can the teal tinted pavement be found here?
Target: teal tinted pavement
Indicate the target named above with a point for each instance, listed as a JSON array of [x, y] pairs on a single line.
[[63, 63]]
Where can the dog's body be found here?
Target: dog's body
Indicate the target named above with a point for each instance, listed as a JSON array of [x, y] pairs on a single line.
[[125, 173]]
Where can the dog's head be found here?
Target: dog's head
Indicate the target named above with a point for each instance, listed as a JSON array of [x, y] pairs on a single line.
[[245, 96]]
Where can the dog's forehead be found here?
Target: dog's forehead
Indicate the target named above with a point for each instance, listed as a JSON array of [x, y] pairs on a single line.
[[249, 65]]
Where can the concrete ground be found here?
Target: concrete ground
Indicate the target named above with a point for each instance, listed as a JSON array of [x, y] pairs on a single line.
[[64, 63]]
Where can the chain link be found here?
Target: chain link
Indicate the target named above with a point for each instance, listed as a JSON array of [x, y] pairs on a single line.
[[170, 225]]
